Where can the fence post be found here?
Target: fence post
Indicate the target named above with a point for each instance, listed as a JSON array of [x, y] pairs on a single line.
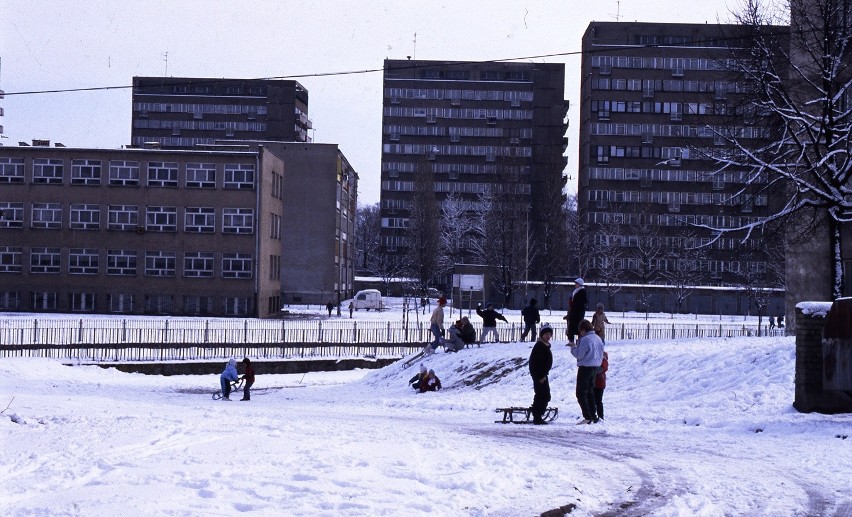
[[245, 331], [80, 331], [319, 323], [206, 331], [622, 330], [648, 331], [389, 331], [673, 330], [35, 331], [355, 332], [166, 332]]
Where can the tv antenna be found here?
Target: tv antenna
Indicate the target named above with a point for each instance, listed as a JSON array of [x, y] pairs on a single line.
[[415, 47], [166, 59], [617, 14]]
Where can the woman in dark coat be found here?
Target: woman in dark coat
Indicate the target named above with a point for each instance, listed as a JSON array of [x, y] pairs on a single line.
[[576, 310], [541, 360]]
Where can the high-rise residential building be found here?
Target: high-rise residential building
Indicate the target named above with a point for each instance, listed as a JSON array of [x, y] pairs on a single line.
[[140, 231], [470, 128], [657, 104], [183, 112]]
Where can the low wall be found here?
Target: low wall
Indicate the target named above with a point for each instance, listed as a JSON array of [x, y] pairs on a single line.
[[260, 367], [811, 395]]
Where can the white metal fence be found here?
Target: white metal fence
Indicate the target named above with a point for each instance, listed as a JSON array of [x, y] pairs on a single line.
[[150, 339]]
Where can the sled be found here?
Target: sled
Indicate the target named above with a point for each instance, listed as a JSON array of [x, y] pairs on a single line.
[[235, 386], [523, 415]]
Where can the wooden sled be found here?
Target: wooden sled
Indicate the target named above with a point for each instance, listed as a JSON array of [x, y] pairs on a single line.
[[523, 415]]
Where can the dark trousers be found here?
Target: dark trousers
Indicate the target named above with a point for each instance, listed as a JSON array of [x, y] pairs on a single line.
[[528, 327], [246, 387], [599, 401], [586, 390], [541, 398]]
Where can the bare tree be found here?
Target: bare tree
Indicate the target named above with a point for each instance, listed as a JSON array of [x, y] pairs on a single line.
[[762, 273], [421, 259], [800, 79], [546, 252], [367, 236], [686, 265], [644, 253], [457, 229], [604, 253]]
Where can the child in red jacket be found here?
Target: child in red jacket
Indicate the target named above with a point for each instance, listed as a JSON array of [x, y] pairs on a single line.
[[248, 376], [600, 384]]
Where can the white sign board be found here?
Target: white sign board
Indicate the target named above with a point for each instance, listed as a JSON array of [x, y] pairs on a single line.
[[469, 282]]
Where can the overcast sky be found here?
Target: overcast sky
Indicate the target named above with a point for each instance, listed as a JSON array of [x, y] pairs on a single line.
[[55, 44]]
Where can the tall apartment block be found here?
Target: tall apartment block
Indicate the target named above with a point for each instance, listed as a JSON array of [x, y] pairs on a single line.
[[657, 100], [139, 231], [468, 124], [182, 112]]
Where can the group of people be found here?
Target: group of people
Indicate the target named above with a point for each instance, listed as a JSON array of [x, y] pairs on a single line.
[[230, 375], [461, 333], [586, 339], [425, 380]]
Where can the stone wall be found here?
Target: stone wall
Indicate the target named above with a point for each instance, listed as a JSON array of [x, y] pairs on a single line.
[[810, 395]]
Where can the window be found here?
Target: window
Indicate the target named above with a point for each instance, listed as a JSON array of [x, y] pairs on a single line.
[[198, 305], [85, 172], [11, 215], [81, 302], [45, 260], [236, 265], [237, 306], [120, 302], [201, 175], [160, 263], [162, 174], [239, 176], [47, 171], [10, 300], [237, 220], [198, 264], [121, 262], [161, 219], [10, 259], [85, 217], [43, 301], [123, 172], [82, 261], [199, 220], [11, 170], [275, 227], [123, 217], [159, 303], [47, 215]]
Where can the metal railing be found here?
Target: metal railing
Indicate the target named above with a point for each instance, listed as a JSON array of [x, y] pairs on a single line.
[[172, 339]]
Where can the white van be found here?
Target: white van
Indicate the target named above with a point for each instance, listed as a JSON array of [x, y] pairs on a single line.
[[368, 299]]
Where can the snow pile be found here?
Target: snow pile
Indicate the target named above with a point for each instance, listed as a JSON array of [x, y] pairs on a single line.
[[694, 427]]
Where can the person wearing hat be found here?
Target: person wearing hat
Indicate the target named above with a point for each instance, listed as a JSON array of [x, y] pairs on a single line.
[[577, 305], [541, 360], [489, 322], [248, 377], [414, 382]]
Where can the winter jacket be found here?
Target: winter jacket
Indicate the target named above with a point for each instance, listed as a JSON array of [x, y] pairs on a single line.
[[249, 374], [467, 333], [430, 383], [438, 317], [600, 378], [578, 305], [530, 314], [230, 372], [599, 323], [541, 360], [589, 350], [489, 316]]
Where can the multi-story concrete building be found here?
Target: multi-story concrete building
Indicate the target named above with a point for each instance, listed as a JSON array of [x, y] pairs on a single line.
[[657, 101], [182, 112], [140, 231], [472, 127], [318, 222]]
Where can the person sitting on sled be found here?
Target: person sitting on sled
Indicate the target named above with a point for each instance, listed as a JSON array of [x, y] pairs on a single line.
[[228, 376], [414, 382], [430, 383]]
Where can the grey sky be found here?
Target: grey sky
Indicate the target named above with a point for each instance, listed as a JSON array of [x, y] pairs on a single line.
[[55, 44]]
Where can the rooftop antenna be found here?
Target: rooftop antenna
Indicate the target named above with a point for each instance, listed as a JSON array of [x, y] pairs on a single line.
[[166, 59], [617, 14], [415, 47]]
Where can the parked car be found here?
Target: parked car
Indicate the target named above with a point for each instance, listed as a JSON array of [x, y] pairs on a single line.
[[367, 299]]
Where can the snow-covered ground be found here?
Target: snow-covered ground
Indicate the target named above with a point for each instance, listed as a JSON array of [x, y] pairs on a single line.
[[699, 427]]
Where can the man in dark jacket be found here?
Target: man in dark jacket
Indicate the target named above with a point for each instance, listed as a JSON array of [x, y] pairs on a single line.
[[489, 321], [531, 318], [577, 305], [541, 360]]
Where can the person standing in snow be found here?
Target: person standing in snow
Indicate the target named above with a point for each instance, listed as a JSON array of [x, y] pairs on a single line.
[[531, 319], [600, 385], [228, 376], [436, 326], [576, 309], [541, 361], [489, 322], [599, 322], [589, 353], [248, 377]]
